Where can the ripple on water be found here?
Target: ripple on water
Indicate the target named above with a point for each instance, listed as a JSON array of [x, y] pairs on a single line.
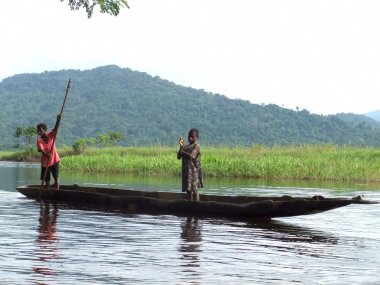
[[13, 164], [58, 244]]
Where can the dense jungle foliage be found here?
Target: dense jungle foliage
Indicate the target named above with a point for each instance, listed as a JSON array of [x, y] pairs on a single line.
[[152, 111]]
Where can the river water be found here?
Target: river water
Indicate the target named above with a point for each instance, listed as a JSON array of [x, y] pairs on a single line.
[[58, 244]]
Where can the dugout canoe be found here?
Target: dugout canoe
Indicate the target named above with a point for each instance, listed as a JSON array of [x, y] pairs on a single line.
[[135, 201]]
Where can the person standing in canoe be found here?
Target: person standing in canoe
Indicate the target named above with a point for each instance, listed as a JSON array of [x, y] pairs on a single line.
[[48, 160], [191, 165]]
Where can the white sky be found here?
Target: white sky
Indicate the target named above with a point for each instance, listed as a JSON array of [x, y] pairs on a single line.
[[321, 55]]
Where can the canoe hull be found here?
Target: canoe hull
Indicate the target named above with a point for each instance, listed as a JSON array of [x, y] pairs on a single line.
[[175, 203]]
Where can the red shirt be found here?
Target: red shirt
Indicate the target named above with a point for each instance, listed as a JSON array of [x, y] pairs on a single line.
[[41, 145]]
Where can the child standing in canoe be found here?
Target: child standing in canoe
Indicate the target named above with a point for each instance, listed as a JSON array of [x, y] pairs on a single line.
[[49, 161], [191, 165]]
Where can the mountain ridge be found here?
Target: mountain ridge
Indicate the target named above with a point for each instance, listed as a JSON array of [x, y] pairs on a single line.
[[150, 110], [375, 115]]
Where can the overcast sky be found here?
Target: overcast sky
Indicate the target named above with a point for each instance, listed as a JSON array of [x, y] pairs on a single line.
[[323, 56]]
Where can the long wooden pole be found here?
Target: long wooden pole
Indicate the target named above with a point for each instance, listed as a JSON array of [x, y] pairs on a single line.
[[54, 137]]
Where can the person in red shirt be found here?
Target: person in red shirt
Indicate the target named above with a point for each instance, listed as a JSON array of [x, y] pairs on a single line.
[[48, 160]]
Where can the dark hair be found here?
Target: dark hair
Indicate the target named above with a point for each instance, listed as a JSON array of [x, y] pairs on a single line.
[[41, 126], [194, 132]]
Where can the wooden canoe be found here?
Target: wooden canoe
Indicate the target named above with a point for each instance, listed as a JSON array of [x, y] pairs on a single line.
[[134, 201]]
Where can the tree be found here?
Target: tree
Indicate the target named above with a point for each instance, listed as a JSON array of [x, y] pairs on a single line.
[[27, 133], [111, 7], [115, 137], [103, 140], [80, 145]]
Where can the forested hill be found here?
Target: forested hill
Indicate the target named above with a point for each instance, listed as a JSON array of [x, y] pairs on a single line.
[[150, 110]]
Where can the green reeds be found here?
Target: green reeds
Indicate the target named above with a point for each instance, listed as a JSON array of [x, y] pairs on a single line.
[[140, 160], [319, 162], [322, 162], [4, 154], [27, 154]]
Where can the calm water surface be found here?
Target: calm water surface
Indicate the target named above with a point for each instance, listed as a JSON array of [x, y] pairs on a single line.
[[57, 244]]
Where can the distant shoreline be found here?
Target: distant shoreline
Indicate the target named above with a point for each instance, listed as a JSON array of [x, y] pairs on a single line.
[[308, 162]]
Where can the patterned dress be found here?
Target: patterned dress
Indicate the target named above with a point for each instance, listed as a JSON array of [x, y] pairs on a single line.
[[191, 167]]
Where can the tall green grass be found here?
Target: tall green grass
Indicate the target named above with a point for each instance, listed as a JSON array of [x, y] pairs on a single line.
[[321, 162], [5, 153], [141, 160], [31, 154], [324, 162], [28, 154]]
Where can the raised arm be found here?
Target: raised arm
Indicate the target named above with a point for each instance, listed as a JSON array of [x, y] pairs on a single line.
[[181, 143], [193, 154], [59, 116]]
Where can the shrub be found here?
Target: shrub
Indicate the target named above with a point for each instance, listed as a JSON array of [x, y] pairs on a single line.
[[80, 145]]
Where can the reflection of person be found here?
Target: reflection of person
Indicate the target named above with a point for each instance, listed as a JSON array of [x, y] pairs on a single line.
[[191, 165], [47, 238], [191, 236], [48, 222], [48, 160]]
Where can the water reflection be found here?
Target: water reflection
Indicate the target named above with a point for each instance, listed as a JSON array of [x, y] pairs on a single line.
[[291, 233], [281, 237], [47, 249], [190, 247], [13, 174]]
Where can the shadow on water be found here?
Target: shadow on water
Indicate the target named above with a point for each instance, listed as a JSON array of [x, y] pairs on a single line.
[[47, 239], [291, 233], [278, 236], [280, 231]]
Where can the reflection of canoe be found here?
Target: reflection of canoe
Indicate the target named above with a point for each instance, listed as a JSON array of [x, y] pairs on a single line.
[[175, 203]]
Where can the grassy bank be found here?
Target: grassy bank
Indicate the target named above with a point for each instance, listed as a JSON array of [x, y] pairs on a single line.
[[5, 154], [302, 162], [20, 155], [31, 154]]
